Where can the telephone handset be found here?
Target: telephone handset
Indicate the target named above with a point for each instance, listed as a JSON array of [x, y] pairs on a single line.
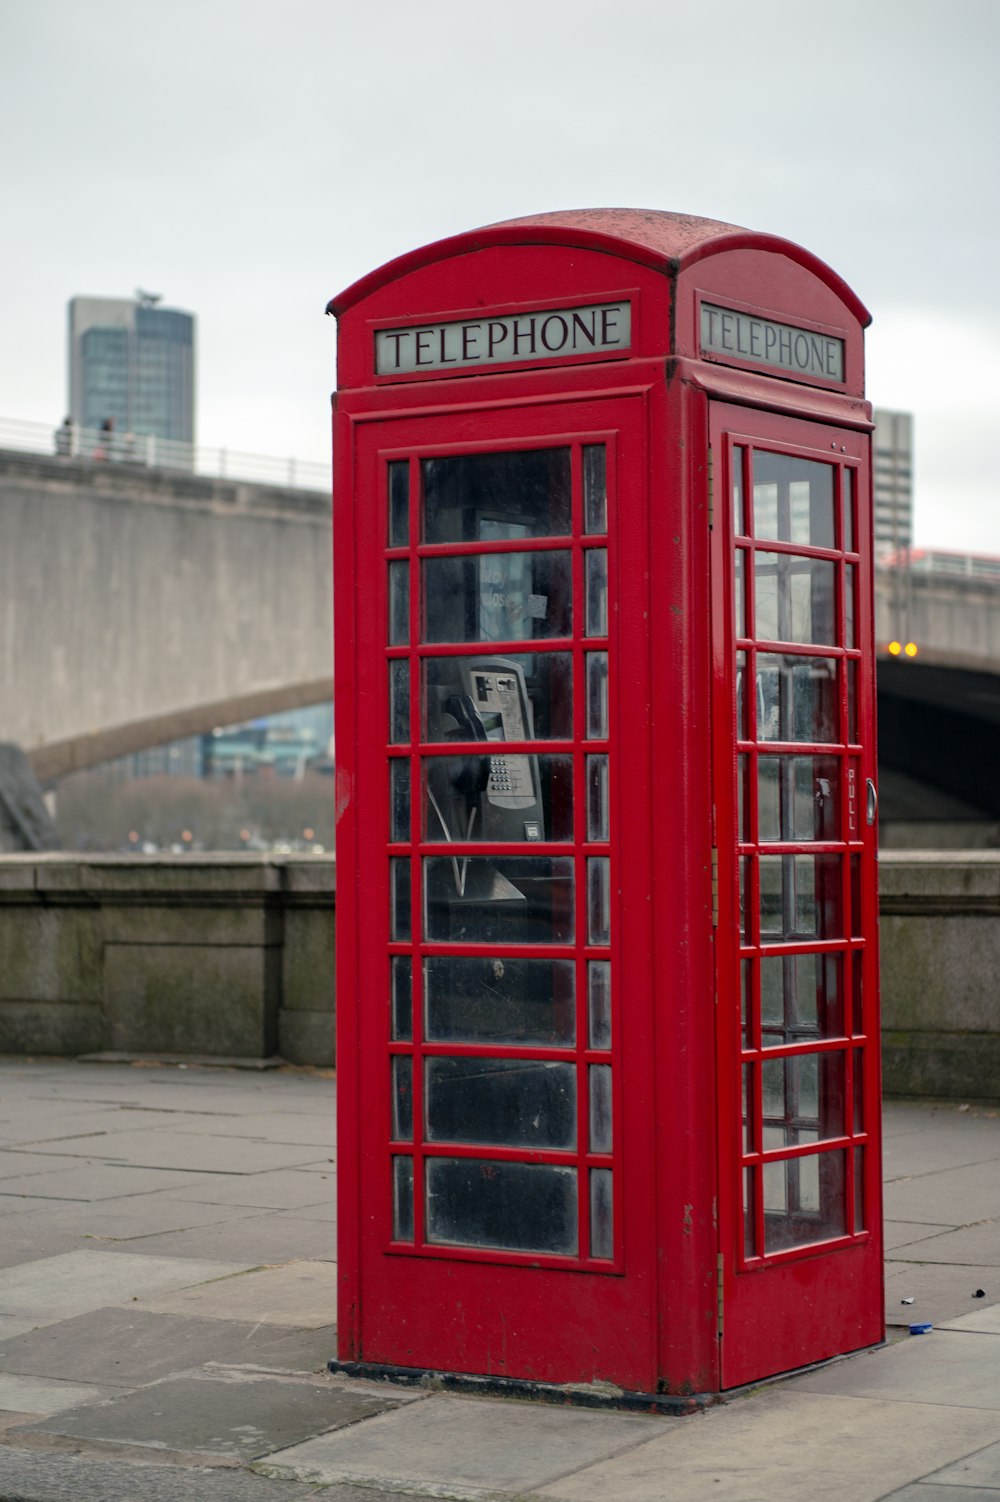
[[485, 700]]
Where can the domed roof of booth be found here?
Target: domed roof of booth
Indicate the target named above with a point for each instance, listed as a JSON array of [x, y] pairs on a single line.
[[655, 237]]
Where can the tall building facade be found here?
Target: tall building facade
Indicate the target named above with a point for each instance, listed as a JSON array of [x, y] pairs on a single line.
[[134, 362], [893, 483]]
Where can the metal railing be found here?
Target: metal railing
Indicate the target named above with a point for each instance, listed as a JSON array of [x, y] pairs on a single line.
[[145, 450]]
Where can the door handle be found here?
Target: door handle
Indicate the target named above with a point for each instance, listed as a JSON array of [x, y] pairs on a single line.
[[871, 801]]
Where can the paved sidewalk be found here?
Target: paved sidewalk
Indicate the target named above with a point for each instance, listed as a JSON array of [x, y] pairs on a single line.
[[167, 1245]]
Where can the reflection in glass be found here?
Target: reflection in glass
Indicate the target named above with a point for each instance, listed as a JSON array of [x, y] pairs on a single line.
[[399, 902], [598, 818], [399, 701], [399, 800], [850, 585], [522, 1207], [600, 1108], [497, 597], [800, 897], [857, 994], [743, 821], [601, 1214], [399, 503], [599, 1002], [544, 679], [857, 931], [402, 1198], [848, 510], [798, 798], [794, 598], [595, 489], [797, 698], [496, 999], [742, 697], [402, 997], [739, 592], [746, 998], [501, 1102], [402, 1099], [803, 1200], [468, 497], [599, 900], [859, 1189], [793, 499], [499, 900], [852, 702], [503, 797], [749, 1133], [596, 591], [597, 696], [399, 603], [859, 1090], [749, 1213], [744, 873]]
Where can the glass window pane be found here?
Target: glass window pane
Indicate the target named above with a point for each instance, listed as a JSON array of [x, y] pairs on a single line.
[[857, 994], [848, 510], [399, 701], [500, 900], [749, 1213], [522, 1207], [803, 1201], [600, 1108], [402, 997], [798, 798], [794, 598], [742, 698], [596, 589], [739, 592], [797, 698], [402, 1099], [601, 1214], [470, 497], [793, 499], [595, 489], [599, 1002], [499, 1000], [800, 897], [599, 900], [800, 998], [850, 585], [402, 1198], [399, 603], [399, 901], [598, 814], [501, 597], [852, 703], [502, 1102], [399, 503], [528, 694], [739, 525], [597, 696], [859, 1189], [498, 798], [803, 1099], [399, 800]]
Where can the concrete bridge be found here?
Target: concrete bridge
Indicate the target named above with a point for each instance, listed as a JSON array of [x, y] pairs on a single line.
[[141, 605]]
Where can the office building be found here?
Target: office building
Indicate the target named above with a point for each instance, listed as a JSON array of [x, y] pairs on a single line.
[[893, 483], [132, 361]]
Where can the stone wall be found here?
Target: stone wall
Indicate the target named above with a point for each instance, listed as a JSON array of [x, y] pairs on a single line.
[[213, 956], [232, 956]]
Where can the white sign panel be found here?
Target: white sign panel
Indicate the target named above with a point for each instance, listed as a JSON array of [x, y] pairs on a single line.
[[761, 341], [598, 328]]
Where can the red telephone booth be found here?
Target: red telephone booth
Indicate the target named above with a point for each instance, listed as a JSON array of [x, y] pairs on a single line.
[[606, 929]]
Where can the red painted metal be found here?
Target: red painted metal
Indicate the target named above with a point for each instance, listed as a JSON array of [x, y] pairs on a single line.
[[647, 1317]]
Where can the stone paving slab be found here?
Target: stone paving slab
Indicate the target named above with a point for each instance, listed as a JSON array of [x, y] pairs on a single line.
[[280, 1189], [939, 1291], [464, 1447], [919, 1152], [985, 1320], [952, 1367], [923, 1491], [57, 1288], [231, 1417], [783, 1446], [303, 1294], [41, 1395], [302, 1352], [122, 1219], [266, 1237], [90, 1180], [177, 1150], [904, 1233], [979, 1470], [30, 1477], [296, 1128], [976, 1246], [129, 1347], [957, 1196], [20, 1163]]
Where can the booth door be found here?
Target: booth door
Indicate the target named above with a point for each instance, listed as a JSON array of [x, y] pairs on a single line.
[[794, 753], [501, 1081]]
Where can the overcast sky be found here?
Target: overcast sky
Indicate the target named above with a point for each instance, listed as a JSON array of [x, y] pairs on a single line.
[[249, 158]]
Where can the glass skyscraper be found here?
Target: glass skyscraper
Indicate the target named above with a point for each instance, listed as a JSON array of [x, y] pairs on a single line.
[[132, 361]]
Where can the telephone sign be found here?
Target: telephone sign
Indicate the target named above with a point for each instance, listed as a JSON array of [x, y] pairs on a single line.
[[606, 942]]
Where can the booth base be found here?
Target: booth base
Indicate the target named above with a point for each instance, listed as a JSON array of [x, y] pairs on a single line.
[[582, 1395]]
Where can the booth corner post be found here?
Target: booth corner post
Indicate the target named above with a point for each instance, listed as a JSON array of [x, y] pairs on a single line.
[[607, 966]]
